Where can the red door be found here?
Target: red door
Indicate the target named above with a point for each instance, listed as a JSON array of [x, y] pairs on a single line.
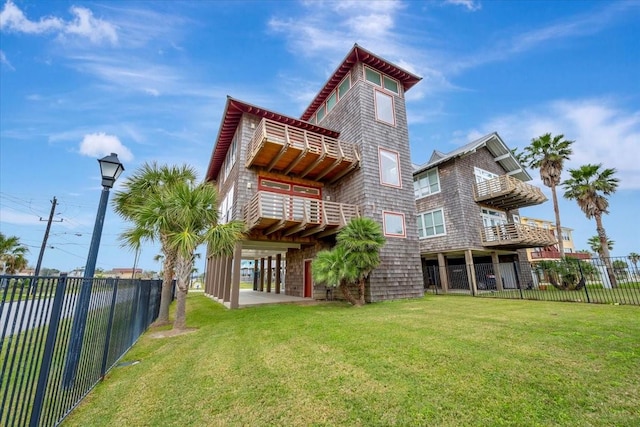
[[308, 285]]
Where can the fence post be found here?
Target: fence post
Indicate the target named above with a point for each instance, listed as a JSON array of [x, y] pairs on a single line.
[[112, 311], [518, 282], [582, 278], [52, 335]]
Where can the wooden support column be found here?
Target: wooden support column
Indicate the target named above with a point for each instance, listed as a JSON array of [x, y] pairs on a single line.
[[220, 290], [278, 268], [261, 274], [216, 276], [269, 273], [496, 270], [208, 281], [442, 268], [235, 277], [471, 271], [255, 274], [228, 261]]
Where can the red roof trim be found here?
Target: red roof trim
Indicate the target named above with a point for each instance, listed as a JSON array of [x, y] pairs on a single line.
[[232, 115], [407, 79]]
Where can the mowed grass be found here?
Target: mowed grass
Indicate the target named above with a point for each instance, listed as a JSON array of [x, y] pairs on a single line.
[[435, 361]]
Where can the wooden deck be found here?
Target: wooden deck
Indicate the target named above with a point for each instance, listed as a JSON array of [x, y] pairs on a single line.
[[290, 215], [292, 151], [516, 236], [506, 192]]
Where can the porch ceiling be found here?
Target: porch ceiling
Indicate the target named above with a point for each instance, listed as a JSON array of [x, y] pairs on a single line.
[[256, 249]]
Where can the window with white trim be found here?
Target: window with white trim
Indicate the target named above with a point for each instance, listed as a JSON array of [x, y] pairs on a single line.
[[384, 107], [491, 217], [393, 224], [230, 158], [389, 167], [483, 175], [431, 224], [226, 208], [426, 183]]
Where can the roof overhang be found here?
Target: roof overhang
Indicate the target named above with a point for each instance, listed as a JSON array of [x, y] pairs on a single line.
[[358, 54], [496, 146]]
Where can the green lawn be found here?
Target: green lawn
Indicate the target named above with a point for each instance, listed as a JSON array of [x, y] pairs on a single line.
[[435, 361]]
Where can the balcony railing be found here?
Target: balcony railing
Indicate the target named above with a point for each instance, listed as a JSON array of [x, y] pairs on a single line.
[[516, 236], [554, 254], [506, 192], [289, 215], [292, 151]]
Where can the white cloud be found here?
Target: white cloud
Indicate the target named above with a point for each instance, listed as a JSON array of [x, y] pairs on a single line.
[[5, 61], [471, 5], [101, 144], [84, 24], [13, 217], [602, 131]]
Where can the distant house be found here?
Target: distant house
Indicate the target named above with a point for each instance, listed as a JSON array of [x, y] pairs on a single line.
[[552, 253], [468, 218], [124, 273]]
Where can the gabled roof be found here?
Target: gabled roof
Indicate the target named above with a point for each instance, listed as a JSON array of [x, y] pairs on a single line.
[[494, 144], [359, 54], [233, 112]]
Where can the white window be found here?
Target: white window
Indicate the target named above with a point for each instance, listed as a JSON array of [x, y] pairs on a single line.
[[393, 224], [384, 108], [226, 208], [426, 183], [431, 224], [230, 158], [389, 167], [491, 217], [483, 175]]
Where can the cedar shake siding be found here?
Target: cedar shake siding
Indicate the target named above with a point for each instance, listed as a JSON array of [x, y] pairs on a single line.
[[348, 183]]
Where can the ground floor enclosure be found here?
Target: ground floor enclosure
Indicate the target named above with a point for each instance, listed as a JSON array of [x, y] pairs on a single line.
[[286, 268]]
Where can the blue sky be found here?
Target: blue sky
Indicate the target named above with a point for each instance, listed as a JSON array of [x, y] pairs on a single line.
[[149, 80]]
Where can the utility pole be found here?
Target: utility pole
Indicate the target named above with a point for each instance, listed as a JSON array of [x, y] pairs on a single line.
[[36, 273]]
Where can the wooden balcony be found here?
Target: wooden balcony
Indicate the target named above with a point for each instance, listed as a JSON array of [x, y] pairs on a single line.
[[555, 254], [506, 193], [292, 151], [516, 236], [300, 216]]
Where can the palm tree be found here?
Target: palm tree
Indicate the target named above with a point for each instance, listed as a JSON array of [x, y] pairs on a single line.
[[548, 154], [362, 240], [12, 254], [132, 204], [356, 254], [191, 212], [588, 186], [596, 245], [331, 268]]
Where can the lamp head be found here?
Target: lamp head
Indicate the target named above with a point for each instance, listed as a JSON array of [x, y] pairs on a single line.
[[110, 168]]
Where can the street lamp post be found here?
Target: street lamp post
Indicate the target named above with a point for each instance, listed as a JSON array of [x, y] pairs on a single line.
[[110, 168]]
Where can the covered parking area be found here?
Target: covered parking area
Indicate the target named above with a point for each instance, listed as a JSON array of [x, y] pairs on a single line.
[[223, 275]]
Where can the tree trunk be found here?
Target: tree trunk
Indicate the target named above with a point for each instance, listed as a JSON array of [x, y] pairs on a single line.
[[347, 294], [167, 284], [556, 210], [183, 270], [361, 284], [604, 250]]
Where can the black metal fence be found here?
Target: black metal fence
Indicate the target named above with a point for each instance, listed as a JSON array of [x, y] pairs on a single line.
[[44, 370], [612, 281]]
